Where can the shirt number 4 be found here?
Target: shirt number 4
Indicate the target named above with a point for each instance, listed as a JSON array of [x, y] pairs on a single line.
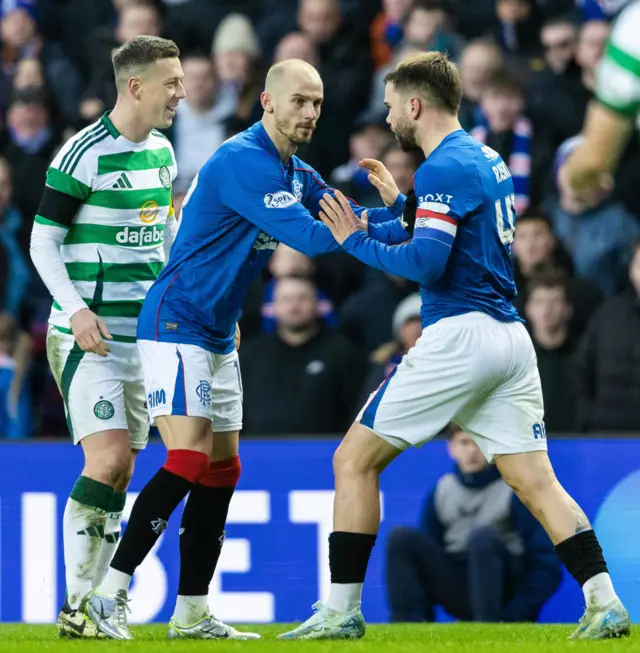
[[505, 219]]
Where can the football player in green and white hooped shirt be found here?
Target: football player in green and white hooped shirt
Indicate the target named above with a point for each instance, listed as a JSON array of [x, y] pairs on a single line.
[[613, 114], [101, 236]]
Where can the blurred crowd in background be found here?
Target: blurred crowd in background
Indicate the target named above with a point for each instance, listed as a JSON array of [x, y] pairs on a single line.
[[319, 335]]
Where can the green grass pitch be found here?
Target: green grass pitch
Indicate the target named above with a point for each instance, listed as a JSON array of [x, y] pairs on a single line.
[[400, 638]]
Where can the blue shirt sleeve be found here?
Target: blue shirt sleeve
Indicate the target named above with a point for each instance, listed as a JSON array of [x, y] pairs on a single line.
[[253, 186], [445, 195], [316, 187]]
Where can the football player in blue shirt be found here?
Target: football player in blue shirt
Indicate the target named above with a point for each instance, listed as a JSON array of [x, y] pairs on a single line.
[[474, 364], [251, 194]]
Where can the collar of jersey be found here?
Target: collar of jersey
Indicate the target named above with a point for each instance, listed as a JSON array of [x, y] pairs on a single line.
[[111, 128]]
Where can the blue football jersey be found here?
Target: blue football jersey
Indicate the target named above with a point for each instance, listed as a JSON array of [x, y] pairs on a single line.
[[460, 252], [242, 203]]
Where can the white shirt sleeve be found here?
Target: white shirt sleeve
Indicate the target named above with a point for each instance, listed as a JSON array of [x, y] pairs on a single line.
[[170, 231], [45, 254]]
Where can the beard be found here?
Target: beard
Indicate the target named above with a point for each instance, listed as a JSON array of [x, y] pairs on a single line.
[[293, 133], [406, 135]]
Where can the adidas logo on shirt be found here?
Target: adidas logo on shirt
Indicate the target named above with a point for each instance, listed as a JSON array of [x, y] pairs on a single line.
[[123, 182]]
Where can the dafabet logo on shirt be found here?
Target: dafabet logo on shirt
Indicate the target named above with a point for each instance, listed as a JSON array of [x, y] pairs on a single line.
[[149, 211]]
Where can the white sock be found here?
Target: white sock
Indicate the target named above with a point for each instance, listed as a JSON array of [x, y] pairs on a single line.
[[83, 528], [344, 597], [190, 609], [112, 530], [598, 591], [113, 582]]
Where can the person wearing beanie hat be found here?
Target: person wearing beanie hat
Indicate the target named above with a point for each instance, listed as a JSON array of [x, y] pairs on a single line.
[[235, 46], [236, 55]]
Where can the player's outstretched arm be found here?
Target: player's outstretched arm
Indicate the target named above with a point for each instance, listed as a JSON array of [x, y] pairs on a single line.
[[316, 187], [253, 187], [422, 260], [588, 172]]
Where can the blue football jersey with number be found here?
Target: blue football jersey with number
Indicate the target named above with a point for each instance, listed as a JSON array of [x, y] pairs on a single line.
[[466, 198], [242, 203], [460, 253]]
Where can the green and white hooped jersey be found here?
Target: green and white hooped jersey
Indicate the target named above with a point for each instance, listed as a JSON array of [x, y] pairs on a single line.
[[113, 249], [618, 73]]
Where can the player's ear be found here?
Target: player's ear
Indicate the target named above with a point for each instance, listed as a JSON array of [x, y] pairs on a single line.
[[266, 102], [415, 105], [135, 87]]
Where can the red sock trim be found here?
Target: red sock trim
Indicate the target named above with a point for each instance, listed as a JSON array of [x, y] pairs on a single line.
[[223, 473], [190, 465]]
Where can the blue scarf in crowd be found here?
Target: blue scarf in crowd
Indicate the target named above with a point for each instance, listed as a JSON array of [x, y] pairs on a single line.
[[519, 162]]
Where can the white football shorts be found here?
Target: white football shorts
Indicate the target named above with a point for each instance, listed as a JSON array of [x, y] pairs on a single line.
[[192, 381], [472, 370], [99, 393]]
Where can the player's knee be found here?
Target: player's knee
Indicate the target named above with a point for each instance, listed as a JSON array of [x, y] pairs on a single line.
[[528, 484], [110, 467], [127, 473], [223, 473], [190, 465]]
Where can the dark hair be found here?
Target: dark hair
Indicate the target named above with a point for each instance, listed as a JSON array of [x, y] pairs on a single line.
[[505, 81], [140, 52], [451, 429], [549, 276], [432, 75], [416, 156], [535, 215], [431, 5], [557, 21]]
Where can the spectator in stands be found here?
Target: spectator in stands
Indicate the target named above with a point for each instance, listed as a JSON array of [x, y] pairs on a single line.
[[20, 40], [15, 403], [376, 105], [428, 25], [402, 165], [518, 28], [608, 362], [591, 41], [133, 19], [199, 128], [302, 379], [536, 247], [287, 262], [478, 62], [367, 315], [345, 66], [297, 45], [407, 328], [236, 56], [367, 141], [509, 132], [600, 240], [15, 270], [556, 95], [477, 552], [549, 315], [32, 142], [387, 30]]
